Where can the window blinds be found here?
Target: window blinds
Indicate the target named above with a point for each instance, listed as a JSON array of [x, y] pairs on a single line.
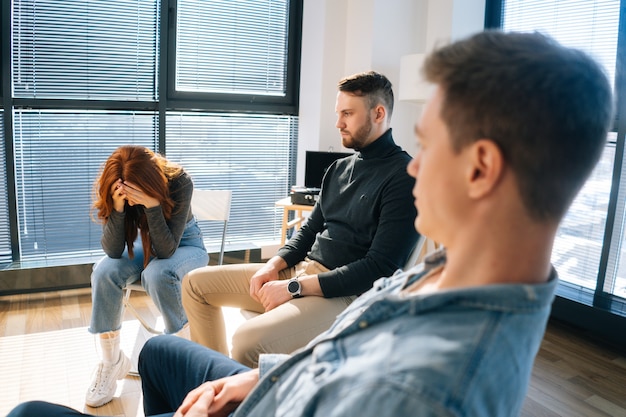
[[85, 49], [96, 55], [232, 46], [5, 232], [590, 25], [58, 156], [254, 156]]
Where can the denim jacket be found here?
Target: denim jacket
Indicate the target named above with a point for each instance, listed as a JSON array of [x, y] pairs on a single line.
[[460, 352]]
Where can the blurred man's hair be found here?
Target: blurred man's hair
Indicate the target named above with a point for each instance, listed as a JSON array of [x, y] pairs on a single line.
[[546, 106]]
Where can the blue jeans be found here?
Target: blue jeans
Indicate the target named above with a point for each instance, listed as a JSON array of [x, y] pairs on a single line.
[[170, 367], [161, 278], [42, 408]]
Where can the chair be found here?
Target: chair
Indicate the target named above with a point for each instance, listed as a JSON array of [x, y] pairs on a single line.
[[206, 205], [213, 205], [423, 247]]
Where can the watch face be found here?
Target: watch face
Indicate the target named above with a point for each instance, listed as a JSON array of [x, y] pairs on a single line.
[[293, 287]]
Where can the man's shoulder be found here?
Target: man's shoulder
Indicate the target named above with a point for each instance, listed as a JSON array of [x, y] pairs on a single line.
[[398, 158], [402, 155]]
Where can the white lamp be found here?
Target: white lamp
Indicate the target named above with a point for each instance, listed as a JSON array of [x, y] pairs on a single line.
[[413, 87]]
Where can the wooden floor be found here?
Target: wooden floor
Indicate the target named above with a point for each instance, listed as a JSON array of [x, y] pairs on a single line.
[[46, 353]]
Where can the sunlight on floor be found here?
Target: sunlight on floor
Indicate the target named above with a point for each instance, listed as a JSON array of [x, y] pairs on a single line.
[[56, 366]]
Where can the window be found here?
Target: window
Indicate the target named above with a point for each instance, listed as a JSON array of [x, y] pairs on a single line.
[[87, 50], [88, 76], [5, 231], [58, 155], [232, 47], [252, 155], [590, 250], [238, 54]]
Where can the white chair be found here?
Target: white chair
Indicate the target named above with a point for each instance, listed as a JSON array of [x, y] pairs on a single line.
[[213, 205], [206, 205]]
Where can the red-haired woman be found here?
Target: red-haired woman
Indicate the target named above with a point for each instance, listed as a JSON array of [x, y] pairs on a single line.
[[140, 194]]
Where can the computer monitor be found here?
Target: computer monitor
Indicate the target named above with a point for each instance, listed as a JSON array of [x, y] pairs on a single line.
[[316, 164]]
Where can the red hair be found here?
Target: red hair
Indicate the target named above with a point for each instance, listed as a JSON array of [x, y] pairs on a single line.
[[148, 170]]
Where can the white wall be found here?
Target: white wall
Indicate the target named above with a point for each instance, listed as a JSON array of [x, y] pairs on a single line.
[[341, 37]]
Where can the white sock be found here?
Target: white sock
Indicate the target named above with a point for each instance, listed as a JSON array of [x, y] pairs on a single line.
[[110, 348]]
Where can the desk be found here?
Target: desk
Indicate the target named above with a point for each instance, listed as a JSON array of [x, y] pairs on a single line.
[[298, 209]]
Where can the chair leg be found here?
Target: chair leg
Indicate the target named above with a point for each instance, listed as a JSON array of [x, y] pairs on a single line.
[[144, 323], [221, 258]]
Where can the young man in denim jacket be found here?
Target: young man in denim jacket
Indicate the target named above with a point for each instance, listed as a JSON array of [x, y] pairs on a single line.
[[514, 127]]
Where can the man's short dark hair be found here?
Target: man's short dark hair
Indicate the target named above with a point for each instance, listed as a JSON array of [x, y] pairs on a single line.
[[546, 106], [372, 85]]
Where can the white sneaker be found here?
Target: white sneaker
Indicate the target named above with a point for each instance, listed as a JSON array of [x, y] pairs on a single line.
[[104, 381]]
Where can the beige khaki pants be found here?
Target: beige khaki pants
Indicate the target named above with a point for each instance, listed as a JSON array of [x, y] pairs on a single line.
[[282, 330]]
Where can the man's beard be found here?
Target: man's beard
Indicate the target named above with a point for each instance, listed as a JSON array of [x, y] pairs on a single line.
[[359, 139]]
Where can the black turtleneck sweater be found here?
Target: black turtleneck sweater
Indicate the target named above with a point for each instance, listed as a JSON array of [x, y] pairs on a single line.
[[362, 226]]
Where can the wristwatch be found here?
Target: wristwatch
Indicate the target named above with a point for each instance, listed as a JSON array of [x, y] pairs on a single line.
[[294, 287]]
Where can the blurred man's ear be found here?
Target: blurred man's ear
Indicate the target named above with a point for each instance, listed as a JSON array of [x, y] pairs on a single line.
[[486, 165]]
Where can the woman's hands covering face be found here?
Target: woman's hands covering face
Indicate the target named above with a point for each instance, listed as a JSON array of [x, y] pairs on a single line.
[[127, 191]]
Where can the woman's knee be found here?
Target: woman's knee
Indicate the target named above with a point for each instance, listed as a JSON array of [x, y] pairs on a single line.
[[104, 275], [111, 272], [159, 277]]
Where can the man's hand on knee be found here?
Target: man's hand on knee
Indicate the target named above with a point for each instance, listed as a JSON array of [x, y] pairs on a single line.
[[219, 397], [269, 272], [273, 294]]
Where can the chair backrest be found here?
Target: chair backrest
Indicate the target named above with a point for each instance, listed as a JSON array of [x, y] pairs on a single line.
[[213, 205], [422, 248]]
